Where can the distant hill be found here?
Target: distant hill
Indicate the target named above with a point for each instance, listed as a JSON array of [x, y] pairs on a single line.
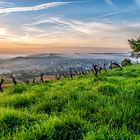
[[86, 107], [72, 55], [40, 56]]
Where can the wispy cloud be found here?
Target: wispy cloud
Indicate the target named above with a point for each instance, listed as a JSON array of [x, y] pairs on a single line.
[[89, 28], [110, 14], [72, 24], [4, 4], [59, 31], [65, 28], [32, 8], [109, 2]]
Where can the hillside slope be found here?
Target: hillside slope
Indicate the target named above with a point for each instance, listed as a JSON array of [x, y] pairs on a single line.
[[85, 107]]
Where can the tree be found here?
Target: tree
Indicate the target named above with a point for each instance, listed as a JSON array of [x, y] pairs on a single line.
[[135, 46]]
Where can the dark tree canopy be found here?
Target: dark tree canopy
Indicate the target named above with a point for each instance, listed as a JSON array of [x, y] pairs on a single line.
[[135, 46]]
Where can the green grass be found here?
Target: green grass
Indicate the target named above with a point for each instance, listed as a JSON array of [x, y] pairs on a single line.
[[106, 107]]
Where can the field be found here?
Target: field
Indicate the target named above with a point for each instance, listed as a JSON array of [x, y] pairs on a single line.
[[106, 107]]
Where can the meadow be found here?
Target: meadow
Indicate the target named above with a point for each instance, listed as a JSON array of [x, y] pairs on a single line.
[[86, 107]]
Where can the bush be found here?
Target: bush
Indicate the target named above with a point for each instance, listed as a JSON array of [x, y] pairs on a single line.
[[126, 62]]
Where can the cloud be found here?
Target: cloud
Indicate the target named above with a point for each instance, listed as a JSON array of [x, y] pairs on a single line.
[[32, 8], [110, 14], [110, 3], [66, 24], [6, 4], [59, 31], [86, 29]]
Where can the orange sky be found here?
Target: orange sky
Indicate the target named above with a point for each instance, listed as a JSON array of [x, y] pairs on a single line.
[[25, 48], [38, 27]]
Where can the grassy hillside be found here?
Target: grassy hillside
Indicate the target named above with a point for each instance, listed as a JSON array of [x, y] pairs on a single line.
[[9, 83], [86, 107]]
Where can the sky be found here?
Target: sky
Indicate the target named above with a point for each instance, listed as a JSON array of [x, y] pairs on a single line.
[[67, 26]]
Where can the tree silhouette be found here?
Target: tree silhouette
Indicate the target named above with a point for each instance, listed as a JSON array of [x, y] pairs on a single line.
[[1, 85], [71, 73], [58, 76], [99, 69], [83, 71], [135, 46], [41, 78], [33, 81], [115, 64], [95, 67], [105, 67], [14, 80], [65, 75]]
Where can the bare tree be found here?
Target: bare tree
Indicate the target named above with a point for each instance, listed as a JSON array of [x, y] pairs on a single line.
[[1, 85], [95, 67], [41, 78], [115, 64], [65, 75], [33, 81], [83, 71], [100, 69], [14, 80], [58, 76], [105, 67], [71, 73]]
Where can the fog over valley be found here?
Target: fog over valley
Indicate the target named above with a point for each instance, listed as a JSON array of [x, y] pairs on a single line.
[[49, 64]]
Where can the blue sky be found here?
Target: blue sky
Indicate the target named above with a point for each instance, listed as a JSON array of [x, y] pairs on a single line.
[[31, 26]]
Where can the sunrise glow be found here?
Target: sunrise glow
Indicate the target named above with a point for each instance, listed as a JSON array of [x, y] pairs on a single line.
[[67, 25]]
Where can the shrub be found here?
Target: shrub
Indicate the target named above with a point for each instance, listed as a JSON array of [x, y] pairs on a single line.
[[126, 62]]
